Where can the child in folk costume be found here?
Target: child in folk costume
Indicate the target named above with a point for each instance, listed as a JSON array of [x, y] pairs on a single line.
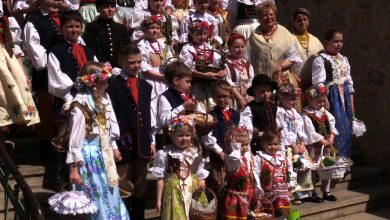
[[64, 63], [319, 125], [204, 62], [240, 177], [41, 32], [292, 134], [333, 69], [92, 142], [216, 140], [130, 97], [260, 113], [179, 169], [239, 71], [168, 23], [274, 173], [200, 14], [179, 8], [176, 100], [154, 56], [104, 35], [16, 103]]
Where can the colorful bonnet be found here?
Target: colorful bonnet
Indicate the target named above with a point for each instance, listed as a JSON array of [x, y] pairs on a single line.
[[91, 79], [316, 90], [181, 121], [149, 20], [289, 89]]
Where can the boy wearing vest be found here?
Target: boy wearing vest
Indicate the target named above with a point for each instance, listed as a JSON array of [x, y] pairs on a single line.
[[131, 97]]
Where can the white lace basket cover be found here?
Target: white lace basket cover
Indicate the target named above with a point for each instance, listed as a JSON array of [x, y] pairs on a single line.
[[72, 202]]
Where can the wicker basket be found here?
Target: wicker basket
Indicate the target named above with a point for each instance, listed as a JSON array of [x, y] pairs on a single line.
[[202, 215], [205, 126], [262, 209], [331, 172]]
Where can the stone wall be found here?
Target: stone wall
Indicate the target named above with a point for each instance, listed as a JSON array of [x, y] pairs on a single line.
[[366, 26]]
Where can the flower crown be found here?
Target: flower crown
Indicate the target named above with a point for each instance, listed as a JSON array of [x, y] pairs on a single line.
[[316, 90], [289, 89], [91, 79], [181, 121], [151, 20], [198, 25]]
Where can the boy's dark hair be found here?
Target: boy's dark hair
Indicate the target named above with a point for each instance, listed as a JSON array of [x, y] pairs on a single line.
[[100, 3], [329, 34], [70, 15], [221, 84], [128, 49], [176, 69]]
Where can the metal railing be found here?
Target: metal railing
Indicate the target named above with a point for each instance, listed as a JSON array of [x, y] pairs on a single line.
[[30, 207]]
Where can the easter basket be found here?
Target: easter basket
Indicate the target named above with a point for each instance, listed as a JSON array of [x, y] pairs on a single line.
[[198, 211], [332, 168], [204, 123], [73, 204], [261, 209]]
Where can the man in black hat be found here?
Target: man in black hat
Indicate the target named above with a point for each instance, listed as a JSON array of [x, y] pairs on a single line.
[[260, 113], [104, 35]]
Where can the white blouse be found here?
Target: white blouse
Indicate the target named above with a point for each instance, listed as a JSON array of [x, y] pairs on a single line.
[[146, 49], [341, 70], [16, 34], [188, 59], [160, 166], [291, 123], [312, 135], [77, 126], [241, 83], [184, 27]]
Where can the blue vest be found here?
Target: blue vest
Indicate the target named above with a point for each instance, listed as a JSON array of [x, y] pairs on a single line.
[[134, 121], [222, 126]]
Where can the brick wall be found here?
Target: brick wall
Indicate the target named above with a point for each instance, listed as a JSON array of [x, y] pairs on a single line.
[[366, 26]]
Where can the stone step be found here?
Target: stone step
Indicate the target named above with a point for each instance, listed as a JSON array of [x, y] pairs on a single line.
[[360, 176], [36, 175], [349, 202], [377, 214]]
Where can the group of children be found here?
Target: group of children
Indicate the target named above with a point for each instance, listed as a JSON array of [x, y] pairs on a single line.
[[110, 119]]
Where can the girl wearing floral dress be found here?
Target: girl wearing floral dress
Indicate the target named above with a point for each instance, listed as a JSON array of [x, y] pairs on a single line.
[[179, 169], [239, 71], [333, 69], [204, 62], [92, 146]]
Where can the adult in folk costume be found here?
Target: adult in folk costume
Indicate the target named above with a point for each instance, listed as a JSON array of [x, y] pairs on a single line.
[[272, 49], [308, 46]]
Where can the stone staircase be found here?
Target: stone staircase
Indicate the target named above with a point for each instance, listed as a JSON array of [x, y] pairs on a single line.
[[362, 193]]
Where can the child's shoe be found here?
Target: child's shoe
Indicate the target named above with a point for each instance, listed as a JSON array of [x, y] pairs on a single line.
[[314, 198], [328, 196]]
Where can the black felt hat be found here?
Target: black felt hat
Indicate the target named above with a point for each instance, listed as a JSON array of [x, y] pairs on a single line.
[[100, 3], [261, 80]]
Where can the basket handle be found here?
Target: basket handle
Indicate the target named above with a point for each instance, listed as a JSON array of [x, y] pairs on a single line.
[[321, 155], [82, 184], [196, 194]]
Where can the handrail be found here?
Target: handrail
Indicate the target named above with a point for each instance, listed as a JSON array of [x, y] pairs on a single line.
[[32, 209]]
